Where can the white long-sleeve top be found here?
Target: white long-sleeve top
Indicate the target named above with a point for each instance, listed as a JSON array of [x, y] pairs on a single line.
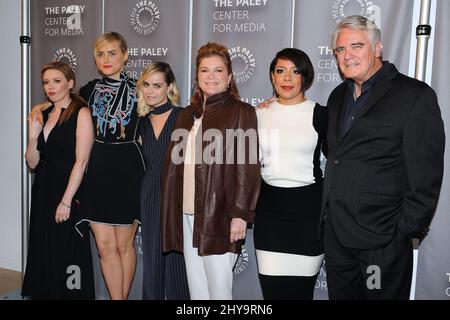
[[288, 144]]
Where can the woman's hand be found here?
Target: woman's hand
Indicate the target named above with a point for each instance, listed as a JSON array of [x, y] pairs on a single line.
[[266, 103], [62, 212], [34, 126], [238, 229]]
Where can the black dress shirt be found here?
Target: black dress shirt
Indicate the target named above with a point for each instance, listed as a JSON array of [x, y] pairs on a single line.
[[353, 105]]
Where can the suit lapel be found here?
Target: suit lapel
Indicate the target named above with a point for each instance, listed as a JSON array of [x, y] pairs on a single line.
[[379, 91], [381, 88], [335, 122]]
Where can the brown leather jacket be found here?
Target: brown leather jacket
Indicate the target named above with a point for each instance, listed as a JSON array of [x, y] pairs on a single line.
[[222, 191]]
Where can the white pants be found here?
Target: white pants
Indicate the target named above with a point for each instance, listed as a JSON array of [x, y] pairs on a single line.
[[209, 277]]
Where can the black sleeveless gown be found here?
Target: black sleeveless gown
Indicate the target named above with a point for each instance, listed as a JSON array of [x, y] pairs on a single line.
[[59, 262]]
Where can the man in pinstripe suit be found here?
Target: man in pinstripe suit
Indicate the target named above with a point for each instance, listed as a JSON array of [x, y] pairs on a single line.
[[384, 169]]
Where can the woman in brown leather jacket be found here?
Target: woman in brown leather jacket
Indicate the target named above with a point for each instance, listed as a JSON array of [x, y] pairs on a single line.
[[211, 177]]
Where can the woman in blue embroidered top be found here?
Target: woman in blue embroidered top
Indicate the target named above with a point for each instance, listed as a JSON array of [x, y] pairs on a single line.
[[113, 178]]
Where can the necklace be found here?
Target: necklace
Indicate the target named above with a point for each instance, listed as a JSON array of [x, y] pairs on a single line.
[[162, 108]]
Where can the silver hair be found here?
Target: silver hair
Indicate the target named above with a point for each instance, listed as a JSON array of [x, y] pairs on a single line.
[[358, 23]]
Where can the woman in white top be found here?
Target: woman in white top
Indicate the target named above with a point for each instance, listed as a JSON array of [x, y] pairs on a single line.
[[292, 133]]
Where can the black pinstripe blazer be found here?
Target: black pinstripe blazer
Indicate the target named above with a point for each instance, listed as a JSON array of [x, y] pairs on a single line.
[[384, 175]]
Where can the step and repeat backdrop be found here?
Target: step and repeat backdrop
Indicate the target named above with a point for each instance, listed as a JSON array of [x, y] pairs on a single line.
[[253, 31]]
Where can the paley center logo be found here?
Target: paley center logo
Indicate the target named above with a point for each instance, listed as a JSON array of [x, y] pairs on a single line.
[[242, 262], [66, 55], [244, 63], [343, 8], [145, 17]]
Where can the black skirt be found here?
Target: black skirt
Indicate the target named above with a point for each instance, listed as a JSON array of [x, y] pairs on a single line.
[[287, 219], [111, 188]]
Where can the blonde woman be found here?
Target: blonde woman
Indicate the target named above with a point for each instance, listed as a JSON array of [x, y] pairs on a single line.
[[164, 274], [112, 191]]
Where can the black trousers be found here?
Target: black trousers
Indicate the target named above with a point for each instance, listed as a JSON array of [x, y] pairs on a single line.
[[380, 274]]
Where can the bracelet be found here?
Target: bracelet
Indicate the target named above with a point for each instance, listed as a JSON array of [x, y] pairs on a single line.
[[66, 205]]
